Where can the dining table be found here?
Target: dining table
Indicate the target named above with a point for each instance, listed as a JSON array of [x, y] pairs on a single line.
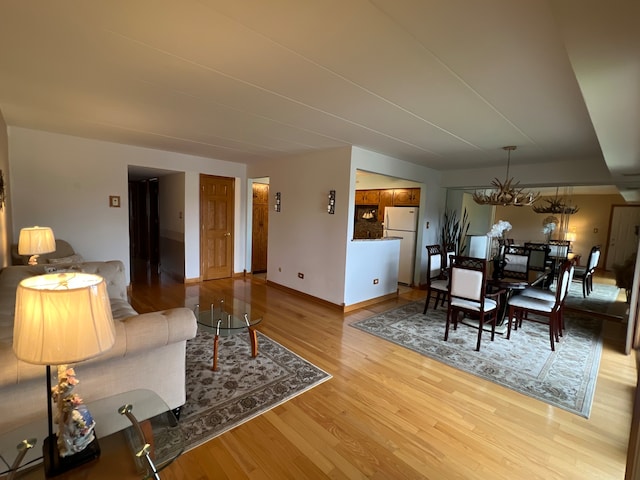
[[510, 286]]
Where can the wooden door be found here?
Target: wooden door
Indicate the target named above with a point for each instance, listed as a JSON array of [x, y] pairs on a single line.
[[260, 227], [216, 227], [623, 235]]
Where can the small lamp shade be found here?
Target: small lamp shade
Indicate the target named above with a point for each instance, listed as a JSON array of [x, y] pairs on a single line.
[[62, 318], [36, 240]]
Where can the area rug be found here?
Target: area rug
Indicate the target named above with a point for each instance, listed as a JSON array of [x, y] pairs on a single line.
[[243, 387], [601, 299], [565, 378]]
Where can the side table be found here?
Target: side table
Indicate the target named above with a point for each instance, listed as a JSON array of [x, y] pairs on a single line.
[[138, 435]]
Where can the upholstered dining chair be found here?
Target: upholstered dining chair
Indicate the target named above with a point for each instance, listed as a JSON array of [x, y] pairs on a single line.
[[547, 308], [585, 273], [436, 278], [516, 262], [468, 295]]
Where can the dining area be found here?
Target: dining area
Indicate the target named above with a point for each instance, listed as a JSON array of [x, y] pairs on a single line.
[[515, 285]]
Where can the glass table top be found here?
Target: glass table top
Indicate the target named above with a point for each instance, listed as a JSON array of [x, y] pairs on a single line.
[[113, 429], [227, 317]]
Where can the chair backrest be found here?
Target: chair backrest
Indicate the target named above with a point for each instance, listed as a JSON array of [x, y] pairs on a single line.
[[559, 248], [434, 261], [468, 278], [449, 249], [539, 256], [594, 258], [517, 262], [565, 277]]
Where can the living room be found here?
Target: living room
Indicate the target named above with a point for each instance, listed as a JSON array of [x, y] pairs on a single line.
[[64, 178]]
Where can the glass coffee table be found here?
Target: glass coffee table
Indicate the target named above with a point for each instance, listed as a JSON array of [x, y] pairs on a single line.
[[138, 435], [225, 318]]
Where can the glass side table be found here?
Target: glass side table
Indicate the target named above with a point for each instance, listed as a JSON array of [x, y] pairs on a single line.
[[137, 432], [228, 318]]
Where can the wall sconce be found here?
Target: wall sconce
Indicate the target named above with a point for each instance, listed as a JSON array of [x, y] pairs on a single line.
[[331, 207], [277, 205]]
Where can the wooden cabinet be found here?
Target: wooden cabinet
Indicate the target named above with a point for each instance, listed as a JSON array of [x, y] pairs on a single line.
[[397, 197], [367, 197], [409, 197]]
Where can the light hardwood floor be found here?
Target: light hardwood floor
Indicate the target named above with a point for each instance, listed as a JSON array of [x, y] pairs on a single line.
[[390, 413]]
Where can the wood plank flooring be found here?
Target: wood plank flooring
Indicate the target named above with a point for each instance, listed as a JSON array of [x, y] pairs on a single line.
[[390, 413]]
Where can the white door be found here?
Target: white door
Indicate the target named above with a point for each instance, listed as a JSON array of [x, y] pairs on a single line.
[[623, 239]]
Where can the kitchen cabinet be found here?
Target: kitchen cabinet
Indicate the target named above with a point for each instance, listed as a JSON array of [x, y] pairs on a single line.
[[409, 197], [386, 200], [392, 197], [367, 197]]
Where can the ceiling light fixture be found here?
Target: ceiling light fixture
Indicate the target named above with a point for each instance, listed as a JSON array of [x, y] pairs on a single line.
[[556, 205], [507, 193]]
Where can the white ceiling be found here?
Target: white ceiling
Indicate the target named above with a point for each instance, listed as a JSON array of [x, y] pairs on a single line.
[[441, 83]]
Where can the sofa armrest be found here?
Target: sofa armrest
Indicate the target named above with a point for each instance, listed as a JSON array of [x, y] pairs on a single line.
[[151, 330]]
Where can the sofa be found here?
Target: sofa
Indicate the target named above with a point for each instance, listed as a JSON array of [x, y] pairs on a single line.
[[149, 351]]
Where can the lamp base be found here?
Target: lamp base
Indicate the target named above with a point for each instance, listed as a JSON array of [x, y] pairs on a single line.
[[54, 464]]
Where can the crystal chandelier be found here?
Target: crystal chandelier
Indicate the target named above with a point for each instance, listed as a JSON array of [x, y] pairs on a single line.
[[507, 193]]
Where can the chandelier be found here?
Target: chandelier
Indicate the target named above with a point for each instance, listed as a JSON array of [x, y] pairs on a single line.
[[556, 205], [507, 193]]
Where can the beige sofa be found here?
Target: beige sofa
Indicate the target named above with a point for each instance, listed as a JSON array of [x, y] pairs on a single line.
[[149, 351]]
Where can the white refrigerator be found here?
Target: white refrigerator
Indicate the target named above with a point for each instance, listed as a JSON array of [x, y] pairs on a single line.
[[403, 222]]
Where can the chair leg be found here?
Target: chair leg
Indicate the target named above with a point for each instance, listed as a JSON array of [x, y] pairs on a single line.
[[585, 286], [426, 303], [480, 328], [446, 329], [552, 332]]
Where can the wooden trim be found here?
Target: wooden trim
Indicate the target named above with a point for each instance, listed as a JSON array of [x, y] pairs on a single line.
[[193, 280], [344, 308], [371, 301], [304, 295]]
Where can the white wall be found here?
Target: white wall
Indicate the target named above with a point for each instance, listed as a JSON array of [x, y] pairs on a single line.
[[303, 237], [64, 182]]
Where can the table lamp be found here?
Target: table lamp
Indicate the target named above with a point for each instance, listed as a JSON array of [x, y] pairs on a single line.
[[34, 241], [64, 318]]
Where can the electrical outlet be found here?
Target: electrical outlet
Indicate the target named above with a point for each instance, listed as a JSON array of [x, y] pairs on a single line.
[[375, 281], [300, 275]]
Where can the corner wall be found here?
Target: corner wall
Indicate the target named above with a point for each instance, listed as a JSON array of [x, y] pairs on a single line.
[[6, 224]]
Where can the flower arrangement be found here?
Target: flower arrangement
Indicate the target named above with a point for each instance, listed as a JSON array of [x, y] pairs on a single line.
[[548, 228], [498, 229]]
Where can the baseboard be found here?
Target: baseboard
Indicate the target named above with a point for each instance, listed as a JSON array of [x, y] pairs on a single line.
[[343, 308], [305, 295], [367, 303]]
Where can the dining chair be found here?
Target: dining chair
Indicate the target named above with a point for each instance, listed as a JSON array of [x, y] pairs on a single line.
[[516, 262], [436, 278], [539, 259], [468, 295], [585, 273], [542, 309]]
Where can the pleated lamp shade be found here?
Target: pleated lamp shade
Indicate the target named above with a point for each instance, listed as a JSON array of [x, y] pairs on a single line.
[[36, 240], [62, 318]]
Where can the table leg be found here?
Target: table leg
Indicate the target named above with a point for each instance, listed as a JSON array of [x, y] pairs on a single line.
[[253, 337], [215, 352]]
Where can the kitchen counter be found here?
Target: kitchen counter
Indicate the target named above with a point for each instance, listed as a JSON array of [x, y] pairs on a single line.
[[375, 239]]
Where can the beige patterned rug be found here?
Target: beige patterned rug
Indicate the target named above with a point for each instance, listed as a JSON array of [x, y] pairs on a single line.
[[243, 387], [565, 378]]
